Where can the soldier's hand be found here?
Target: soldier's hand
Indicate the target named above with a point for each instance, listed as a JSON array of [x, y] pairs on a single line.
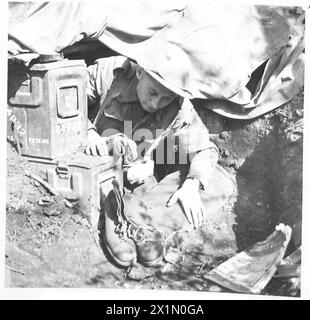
[[189, 199], [97, 145]]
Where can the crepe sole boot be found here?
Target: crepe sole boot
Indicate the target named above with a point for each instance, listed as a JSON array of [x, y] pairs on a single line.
[[149, 241], [120, 248]]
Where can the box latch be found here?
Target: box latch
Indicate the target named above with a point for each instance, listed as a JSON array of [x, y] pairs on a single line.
[[62, 170]]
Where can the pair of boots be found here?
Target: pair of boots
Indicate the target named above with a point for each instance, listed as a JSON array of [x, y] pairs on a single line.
[[126, 241]]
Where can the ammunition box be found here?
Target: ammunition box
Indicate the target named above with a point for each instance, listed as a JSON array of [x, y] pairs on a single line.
[[47, 107], [81, 177]]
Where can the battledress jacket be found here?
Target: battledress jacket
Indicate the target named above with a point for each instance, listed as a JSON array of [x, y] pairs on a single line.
[[114, 107]]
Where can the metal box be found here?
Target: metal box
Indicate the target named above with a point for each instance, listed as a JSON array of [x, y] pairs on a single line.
[[81, 177], [48, 107]]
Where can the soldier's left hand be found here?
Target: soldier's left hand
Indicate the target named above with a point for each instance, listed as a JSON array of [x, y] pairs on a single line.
[[189, 199]]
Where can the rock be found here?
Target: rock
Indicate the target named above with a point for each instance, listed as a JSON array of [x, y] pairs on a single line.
[[139, 272], [45, 201], [52, 212], [224, 135], [293, 137], [168, 267], [173, 256], [226, 153]]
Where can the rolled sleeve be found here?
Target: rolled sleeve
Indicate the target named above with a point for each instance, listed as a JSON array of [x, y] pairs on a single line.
[[203, 154], [195, 137]]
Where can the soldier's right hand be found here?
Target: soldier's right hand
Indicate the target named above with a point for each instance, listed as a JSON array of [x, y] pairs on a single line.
[[97, 145]]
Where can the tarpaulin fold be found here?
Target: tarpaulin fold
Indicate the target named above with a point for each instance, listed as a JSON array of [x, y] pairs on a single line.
[[225, 44]]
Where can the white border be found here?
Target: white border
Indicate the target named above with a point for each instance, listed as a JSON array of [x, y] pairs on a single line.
[[138, 294]]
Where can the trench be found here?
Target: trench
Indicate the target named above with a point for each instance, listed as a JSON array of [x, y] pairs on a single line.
[[268, 169]]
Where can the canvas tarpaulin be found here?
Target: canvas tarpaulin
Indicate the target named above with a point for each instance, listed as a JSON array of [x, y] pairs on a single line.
[[225, 44]]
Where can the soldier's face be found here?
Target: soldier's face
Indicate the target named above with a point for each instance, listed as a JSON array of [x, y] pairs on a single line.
[[151, 94]]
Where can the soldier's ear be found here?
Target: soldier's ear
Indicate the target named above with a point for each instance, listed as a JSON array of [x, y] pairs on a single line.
[[139, 72]]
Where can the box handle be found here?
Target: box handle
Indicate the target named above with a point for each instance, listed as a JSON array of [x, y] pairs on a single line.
[[62, 170]]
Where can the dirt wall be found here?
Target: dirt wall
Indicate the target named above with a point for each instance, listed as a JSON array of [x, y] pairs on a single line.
[[266, 157]]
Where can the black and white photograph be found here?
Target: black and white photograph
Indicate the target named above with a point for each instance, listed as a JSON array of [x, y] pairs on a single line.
[[155, 146]]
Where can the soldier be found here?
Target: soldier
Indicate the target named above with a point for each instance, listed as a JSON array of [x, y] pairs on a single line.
[[150, 93]]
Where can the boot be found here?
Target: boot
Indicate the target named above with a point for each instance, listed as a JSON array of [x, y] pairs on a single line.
[[149, 241], [149, 244], [120, 248]]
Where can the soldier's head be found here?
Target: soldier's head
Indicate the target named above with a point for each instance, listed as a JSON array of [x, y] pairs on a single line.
[[164, 74]]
